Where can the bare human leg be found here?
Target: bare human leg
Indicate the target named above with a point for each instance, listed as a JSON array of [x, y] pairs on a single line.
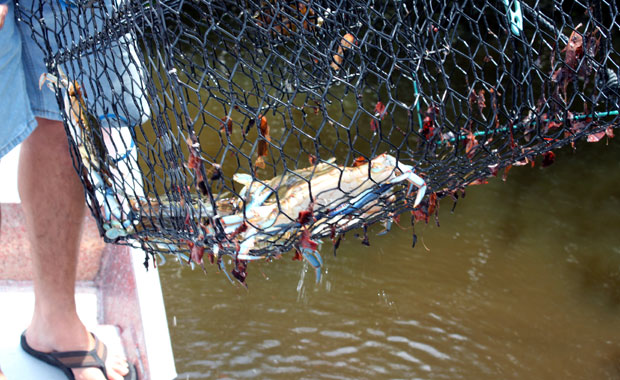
[[53, 203]]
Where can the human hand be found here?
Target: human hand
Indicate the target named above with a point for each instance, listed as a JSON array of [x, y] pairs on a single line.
[[4, 9]]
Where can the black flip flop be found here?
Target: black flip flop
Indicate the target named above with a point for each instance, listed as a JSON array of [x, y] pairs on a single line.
[[76, 359]]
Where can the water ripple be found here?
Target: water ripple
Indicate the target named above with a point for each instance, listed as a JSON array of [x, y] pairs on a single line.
[[407, 357], [247, 358], [388, 315], [407, 323], [375, 332], [341, 351], [269, 343], [301, 330], [281, 369], [458, 337], [287, 359], [373, 344], [339, 334], [419, 346]]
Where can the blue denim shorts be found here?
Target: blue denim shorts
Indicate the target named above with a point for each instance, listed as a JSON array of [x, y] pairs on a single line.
[[17, 120], [112, 76]]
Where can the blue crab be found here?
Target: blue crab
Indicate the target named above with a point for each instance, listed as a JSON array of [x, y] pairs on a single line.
[[98, 165], [334, 195]]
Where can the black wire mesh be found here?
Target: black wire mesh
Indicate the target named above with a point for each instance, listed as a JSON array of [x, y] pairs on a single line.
[[249, 128]]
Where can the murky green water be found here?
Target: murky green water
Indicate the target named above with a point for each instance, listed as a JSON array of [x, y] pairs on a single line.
[[521, 282]]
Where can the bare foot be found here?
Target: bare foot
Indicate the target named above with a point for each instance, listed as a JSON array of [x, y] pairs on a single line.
[[79, 339]]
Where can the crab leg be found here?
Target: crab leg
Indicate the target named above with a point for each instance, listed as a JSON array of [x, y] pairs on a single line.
[[111, 207], [258, 201], [222, 267], [361, 200], [254, 198], [314, 259], [162, 257]]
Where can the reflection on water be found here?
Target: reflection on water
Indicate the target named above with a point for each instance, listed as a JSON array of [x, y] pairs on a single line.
[[522, 281]]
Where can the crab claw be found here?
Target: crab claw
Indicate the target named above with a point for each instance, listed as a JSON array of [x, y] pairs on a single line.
[[246, 246], [413, 179], [49, 79], [245, 180], [248, 243], [53, 81], [420, 183], [114, 230], [112, 209], [231, 222]]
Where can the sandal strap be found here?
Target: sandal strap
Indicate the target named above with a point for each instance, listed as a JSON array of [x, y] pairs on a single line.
[[82, 359]]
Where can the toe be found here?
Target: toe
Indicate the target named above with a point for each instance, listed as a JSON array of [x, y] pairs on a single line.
[[117, 368]]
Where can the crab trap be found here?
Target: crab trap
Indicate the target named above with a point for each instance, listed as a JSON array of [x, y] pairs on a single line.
[[252, 128]]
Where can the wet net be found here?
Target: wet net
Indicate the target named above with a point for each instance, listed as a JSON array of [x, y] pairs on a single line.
[[253, 128]]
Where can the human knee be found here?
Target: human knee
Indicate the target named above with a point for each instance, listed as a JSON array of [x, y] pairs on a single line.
[[50, 133], [53, 125]]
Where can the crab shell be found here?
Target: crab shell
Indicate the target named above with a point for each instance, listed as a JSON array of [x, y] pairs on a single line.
[[332, 188]]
